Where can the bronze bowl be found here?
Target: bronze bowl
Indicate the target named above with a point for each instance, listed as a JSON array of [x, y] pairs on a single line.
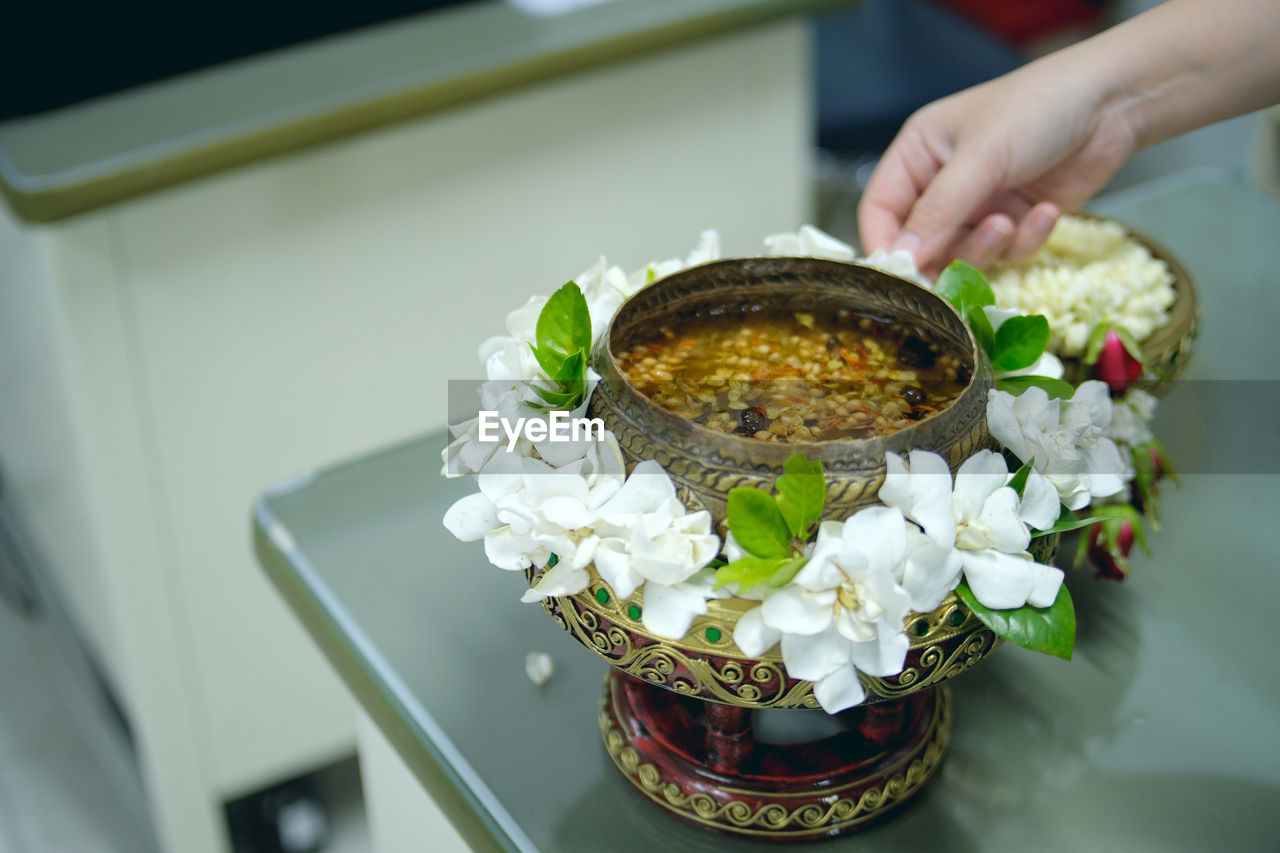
[[704, 463]]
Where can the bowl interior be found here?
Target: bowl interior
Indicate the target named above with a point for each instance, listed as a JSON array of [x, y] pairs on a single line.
[[771, 286]]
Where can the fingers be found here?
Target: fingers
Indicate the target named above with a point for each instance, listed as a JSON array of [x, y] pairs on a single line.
[[904, 170], [978, 246], [988, 241], [1032, 231], [938, 218]]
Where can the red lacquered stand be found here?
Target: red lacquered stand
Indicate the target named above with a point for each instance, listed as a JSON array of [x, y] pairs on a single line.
[[701, 760]]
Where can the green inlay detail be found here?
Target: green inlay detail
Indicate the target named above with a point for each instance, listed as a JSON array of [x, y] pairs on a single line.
[[602, 595], [634, 611], [552, 560], [713, 634]]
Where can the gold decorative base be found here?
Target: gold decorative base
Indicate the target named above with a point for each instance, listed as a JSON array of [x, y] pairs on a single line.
[[706, 769]]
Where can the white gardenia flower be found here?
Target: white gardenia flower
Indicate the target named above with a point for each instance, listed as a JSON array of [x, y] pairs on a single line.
[[708, 249], [1063, 439], [808, 242], [527, 510], [843, 613], [467, 454], [647, 538], [980, 523], [1047, 364], [900, 263], [509, 356], [1131, 418], [605, 288]]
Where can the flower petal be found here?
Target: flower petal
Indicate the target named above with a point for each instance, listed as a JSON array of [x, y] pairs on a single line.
[[814, 657], [839, 690], [979, 476], [930, 572], [752, 635], [669, 610], [566, 512], [883, 656], [1045, 588], [1001, 524], [796, 611], [510, 551], [471, 517], [896, 489], [880, 533], [614, 565], [561, 579], [1000, 581], [1040, 505]]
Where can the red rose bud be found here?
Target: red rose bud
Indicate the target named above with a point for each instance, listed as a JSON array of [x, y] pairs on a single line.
[[1109, 545], [1124, 539], [1116, 366]]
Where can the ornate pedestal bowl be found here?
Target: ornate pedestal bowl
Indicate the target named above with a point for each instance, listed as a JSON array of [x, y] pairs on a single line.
[[677, 715]]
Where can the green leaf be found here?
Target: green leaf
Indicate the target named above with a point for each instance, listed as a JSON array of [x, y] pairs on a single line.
[[1019, 481], [1115, 516], [1165, 462], [789, 570], [980, 323], [1144, 481], [1055, 388], [749, 571], [1068, 520], [555, 399], [757, 523], [564, 324], [964, 287], [802, 491], [572, 369], [1098, 339], [550, 362], [755, 571], [1020, 341], [1093, 347], [1051, 629]]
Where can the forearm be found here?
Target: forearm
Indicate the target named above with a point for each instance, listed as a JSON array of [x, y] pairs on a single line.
[[1185, 64]]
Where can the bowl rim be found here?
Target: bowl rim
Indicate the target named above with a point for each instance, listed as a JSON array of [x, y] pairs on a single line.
[[606, 363]]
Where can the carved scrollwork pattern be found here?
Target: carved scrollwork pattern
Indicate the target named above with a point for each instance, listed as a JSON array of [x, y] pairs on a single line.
[[944, 643]]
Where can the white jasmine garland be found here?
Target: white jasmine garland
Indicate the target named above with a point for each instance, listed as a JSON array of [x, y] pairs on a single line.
[[1088, 272]]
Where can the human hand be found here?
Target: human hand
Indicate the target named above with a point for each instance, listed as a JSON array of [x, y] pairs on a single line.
[[985, 173]]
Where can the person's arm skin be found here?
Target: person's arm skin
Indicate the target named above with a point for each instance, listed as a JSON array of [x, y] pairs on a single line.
[[985, 173]]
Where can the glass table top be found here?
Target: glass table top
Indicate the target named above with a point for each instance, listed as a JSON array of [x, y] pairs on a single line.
[[1160, 735]]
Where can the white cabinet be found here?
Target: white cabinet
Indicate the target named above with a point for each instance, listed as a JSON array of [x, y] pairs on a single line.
[[164, 359]]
